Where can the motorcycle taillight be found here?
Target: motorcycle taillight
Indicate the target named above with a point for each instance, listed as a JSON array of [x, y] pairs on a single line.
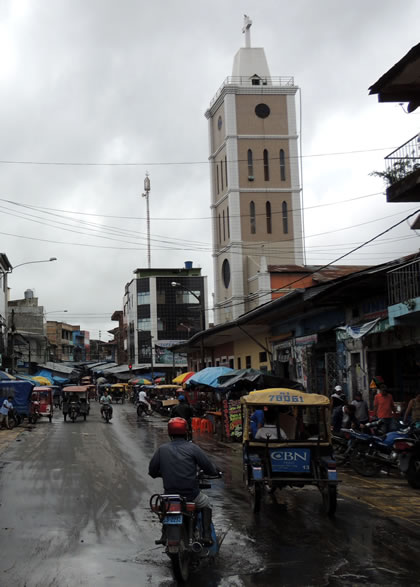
[[403, 445], [174, 507], [190, 506]]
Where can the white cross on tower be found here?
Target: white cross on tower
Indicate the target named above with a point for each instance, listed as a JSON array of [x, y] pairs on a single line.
[[246, 30]]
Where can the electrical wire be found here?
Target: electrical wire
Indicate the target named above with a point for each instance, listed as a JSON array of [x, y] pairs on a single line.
[[173, 163]]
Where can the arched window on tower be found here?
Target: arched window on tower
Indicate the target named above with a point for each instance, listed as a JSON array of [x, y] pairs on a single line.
[[268, 216], [226, 177], [217, 177], [228, 221], [282, 166], [220, 231], [221, 173], [224, 227], [266, 168], [252, 217], [250, 166], [285, 217]]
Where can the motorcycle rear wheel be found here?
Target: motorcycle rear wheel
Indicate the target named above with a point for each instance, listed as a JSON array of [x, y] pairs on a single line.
[[181, 562], [363, 465]]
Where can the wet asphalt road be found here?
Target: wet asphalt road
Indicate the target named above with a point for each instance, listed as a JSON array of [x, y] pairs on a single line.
[[74, 511]]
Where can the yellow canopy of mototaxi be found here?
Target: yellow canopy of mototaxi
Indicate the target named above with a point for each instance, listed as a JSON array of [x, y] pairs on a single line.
[[282, 396]]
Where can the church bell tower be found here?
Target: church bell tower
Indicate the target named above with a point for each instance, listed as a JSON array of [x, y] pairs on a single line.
[[255, 183]]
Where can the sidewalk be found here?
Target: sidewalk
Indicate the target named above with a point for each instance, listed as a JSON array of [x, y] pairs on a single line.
[[9, 436]]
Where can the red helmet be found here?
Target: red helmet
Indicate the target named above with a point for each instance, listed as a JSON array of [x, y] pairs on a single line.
[[177, 427]]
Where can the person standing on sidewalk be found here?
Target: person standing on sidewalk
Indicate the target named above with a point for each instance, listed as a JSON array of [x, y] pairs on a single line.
[[4, 411], [361, 407], [384, 408]]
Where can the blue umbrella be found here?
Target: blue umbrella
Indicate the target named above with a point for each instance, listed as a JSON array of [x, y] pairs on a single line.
[[209, 376]]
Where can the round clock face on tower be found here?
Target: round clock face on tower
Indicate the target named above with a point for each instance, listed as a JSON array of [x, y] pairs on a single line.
[[219, 122], [226, 273], [262, 110]]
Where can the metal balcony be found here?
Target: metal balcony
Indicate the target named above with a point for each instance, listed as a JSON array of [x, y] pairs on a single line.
[[403, 172], [404, 284]]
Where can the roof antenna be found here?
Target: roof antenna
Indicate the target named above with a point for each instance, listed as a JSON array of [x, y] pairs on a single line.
[[146, 195]]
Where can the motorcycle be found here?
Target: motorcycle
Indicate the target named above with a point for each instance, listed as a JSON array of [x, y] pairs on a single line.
[[182, 534], [106, 412], [142, 410], [369, 454], [408, 450]]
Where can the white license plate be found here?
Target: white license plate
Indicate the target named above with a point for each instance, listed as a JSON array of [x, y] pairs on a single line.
[[173, 519]]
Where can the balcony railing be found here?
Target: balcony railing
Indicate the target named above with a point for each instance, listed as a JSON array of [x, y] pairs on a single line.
[[403, 161], [256, 81], [404, 283]]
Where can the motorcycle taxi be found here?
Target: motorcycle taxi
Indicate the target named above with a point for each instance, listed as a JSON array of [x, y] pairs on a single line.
[[75, 402], [118, 392], [294, 450], [42, 403]]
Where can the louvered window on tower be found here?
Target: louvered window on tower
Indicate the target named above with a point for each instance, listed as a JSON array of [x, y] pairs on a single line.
[[282, 166], [252, 217], [268, 216], [250, 166], [266, 168], [285, 218]]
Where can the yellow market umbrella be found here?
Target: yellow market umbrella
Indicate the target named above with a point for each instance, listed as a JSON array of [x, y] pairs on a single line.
[[183, 377], [42, 380]]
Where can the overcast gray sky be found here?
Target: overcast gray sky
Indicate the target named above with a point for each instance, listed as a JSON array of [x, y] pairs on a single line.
[[128, 81]]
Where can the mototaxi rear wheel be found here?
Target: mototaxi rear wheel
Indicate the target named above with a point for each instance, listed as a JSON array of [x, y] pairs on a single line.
[[329, 499]]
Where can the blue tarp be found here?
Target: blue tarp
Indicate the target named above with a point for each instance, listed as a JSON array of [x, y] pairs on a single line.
[[56, 379], [4, 376], [209, 376], [20, 392]]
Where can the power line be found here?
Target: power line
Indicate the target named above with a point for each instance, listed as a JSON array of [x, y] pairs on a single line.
[[173, 163], [178, 219]]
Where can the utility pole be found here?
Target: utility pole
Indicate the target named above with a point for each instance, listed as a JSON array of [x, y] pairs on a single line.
[[146, 195]]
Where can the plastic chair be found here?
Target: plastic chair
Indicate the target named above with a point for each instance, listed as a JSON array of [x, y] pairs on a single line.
[[206, 426], [196, 424]]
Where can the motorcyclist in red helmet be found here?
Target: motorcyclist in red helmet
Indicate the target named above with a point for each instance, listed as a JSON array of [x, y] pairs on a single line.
[[177, 463]]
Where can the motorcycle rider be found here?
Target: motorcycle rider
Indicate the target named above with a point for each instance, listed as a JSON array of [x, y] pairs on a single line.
[[143, 400], [105, 399], [177, 462]]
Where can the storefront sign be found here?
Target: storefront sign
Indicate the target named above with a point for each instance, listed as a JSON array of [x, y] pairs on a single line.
[[232, 420]]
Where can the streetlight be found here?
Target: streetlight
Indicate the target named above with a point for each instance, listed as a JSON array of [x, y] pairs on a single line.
[[202, 315], [30, 263]]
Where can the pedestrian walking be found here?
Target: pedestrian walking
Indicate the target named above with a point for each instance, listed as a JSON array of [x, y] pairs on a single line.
[[413, 410], [4, 412], [384, 407]]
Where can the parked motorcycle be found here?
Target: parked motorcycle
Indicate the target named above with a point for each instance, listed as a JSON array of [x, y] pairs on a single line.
[[106, 412], [14, 418], [369, 454], [183, 531], [408, 450]]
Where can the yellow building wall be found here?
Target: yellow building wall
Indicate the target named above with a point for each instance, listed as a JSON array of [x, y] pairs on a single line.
[[247, 347]]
